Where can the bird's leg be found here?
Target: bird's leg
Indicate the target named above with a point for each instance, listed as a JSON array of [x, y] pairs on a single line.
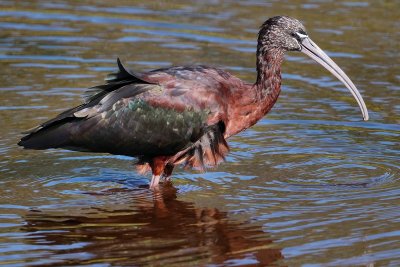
[[157, 165], [155, 179], [167, 172]]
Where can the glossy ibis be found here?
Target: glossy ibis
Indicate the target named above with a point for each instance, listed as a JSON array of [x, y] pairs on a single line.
[[180, 115]]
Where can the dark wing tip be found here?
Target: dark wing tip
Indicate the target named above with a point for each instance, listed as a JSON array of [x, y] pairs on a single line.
[[114, 81], [23, 142], [123, 73], [121, 66]]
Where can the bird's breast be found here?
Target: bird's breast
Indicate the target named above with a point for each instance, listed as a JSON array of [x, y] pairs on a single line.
[[248, 109]]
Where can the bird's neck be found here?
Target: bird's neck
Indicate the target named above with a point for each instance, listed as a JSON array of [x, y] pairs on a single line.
[[269, 63], [259, 98]]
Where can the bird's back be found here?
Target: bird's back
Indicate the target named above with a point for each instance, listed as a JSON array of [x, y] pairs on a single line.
[[161, 112]]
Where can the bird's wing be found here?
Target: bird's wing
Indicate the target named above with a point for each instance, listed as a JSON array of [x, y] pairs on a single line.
[[136, 125], [95, 94], [114, 81], [131, 117]]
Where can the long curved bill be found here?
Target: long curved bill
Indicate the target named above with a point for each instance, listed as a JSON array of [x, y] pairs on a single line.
[[312, 50]]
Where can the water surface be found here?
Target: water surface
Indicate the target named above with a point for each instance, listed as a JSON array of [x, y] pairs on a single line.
[[310, 185]]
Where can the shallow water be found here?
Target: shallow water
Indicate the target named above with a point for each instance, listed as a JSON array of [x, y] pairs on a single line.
[[309, 185]]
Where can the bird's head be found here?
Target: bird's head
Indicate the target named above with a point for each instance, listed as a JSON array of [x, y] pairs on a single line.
[[283, 34]]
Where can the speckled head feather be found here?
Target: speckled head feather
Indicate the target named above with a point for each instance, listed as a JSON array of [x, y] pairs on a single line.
[[280, 33]]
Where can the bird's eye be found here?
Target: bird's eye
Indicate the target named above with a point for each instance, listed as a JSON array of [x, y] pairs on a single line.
[[301, 35]]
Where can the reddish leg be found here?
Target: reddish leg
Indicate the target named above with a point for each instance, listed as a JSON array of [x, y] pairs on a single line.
[[157, 167]]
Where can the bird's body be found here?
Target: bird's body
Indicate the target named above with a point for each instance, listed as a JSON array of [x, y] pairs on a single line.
[[170, 116]]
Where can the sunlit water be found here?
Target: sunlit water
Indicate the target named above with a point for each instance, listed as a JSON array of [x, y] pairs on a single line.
[[311, 184]]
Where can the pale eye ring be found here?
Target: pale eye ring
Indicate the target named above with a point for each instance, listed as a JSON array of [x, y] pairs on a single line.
[[301, 35]]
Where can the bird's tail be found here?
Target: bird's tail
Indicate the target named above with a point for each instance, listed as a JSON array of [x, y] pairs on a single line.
[[54, 136]]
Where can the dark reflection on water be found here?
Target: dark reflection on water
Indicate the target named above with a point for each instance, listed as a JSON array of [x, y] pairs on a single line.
[[160, 230]]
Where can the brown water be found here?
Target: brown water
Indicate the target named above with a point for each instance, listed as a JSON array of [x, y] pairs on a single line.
[[310, 185]]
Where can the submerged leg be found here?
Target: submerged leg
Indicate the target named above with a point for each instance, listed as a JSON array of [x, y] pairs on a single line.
[[157, 165], [155, 179]]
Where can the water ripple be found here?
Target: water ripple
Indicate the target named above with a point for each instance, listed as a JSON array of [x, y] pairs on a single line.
[[310, 184]]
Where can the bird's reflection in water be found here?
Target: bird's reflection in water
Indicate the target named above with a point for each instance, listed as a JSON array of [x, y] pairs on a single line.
[[161, 231]]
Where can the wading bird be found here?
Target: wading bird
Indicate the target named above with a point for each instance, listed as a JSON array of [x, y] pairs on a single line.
[[180, 115]]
